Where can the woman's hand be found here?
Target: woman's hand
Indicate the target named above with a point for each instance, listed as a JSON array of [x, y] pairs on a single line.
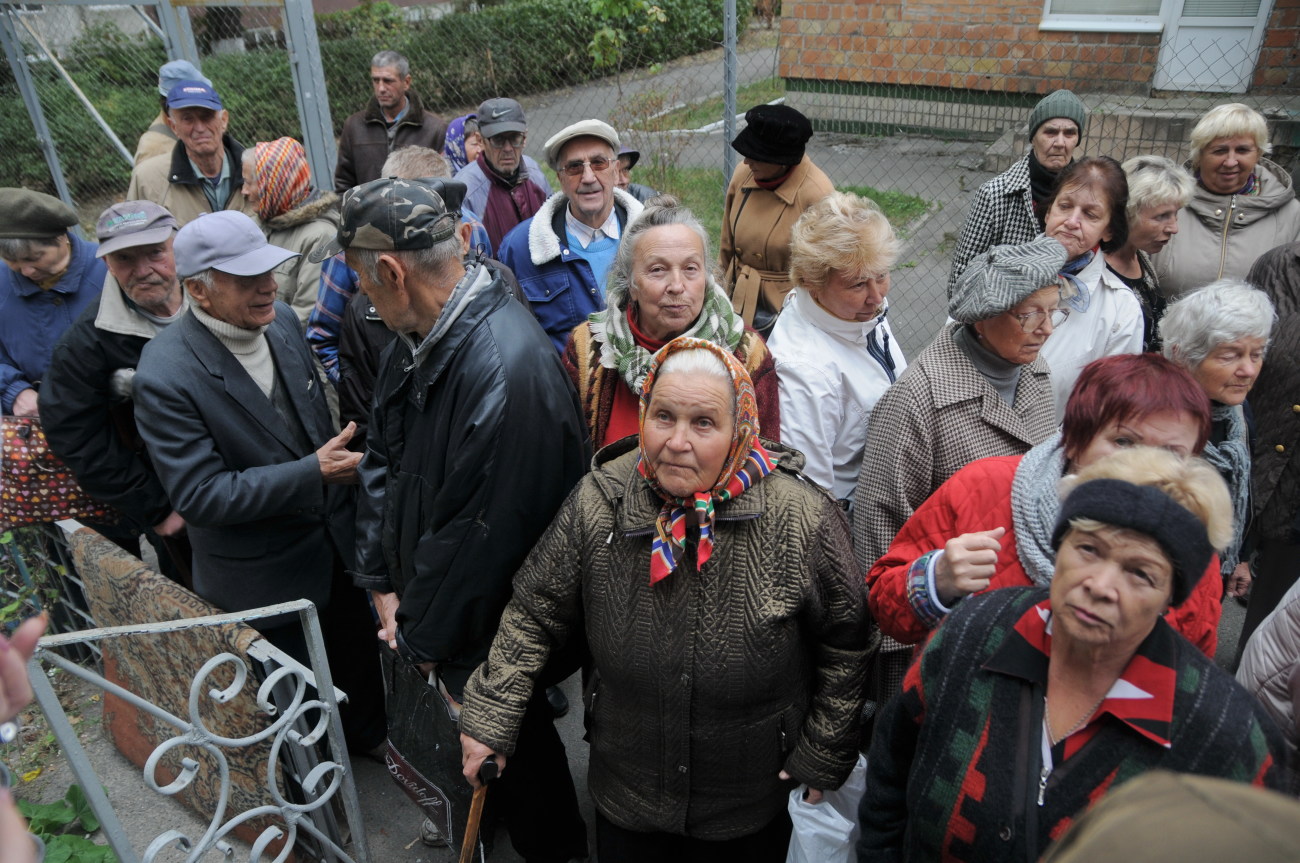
[[15, 688], [1239, 581], [26, 403], [812, 795], [472, 756], [968, 563]]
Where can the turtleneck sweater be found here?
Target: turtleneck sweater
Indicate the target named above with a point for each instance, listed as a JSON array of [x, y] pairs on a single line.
[[1001, 374], [248, 346]]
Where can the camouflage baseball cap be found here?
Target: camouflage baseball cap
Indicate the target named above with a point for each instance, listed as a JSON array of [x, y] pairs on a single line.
[[391, 214]]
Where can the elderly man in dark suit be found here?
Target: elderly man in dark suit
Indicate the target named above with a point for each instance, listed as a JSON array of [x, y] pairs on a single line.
[[230, 407]]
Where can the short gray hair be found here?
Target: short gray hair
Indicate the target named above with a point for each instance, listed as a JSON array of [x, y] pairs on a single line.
[[17, 248], [660, 211], [384, 59], [1220, 312], [1154, 181], [415, 163], [429, 261], [1232, 120], [697, 362], [204, 276]]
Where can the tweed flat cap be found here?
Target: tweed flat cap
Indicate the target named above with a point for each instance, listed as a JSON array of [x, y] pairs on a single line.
[[28, 215], [1002, 277], [391, 214]]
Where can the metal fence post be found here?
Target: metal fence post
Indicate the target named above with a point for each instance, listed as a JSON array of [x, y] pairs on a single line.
[[309, 91], [23, 76], [177, 32], [729, 88]]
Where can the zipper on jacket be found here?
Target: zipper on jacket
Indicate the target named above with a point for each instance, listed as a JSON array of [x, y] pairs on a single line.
[[1223, 241], [880, 355]]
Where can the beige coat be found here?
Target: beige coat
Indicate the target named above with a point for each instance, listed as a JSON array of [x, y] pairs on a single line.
[[303, 230], [169, 181], [157, 140], [756, 224], [707, 684], [1221, 236]]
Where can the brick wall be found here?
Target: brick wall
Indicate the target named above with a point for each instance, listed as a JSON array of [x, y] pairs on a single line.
[[980, 45], [1278, 69]]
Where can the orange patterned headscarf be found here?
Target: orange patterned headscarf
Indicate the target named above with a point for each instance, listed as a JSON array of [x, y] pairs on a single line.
[[283, 178], [747, 462]]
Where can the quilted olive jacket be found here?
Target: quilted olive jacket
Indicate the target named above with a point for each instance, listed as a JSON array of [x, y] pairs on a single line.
[[708, 683]]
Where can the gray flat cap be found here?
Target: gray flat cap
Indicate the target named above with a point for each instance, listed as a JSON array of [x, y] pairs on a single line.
[[1002, 277]]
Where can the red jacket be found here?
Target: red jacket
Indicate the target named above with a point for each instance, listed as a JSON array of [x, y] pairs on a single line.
[[978, 497]]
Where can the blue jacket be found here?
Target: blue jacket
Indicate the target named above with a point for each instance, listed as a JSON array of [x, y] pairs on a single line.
[[560, 286], [32, 320]]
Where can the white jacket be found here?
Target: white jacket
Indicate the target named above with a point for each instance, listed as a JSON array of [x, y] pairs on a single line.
[[829, 382], [1111, 325]]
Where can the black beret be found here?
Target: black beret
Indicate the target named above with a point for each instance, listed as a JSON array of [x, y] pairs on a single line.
[[775, 134]]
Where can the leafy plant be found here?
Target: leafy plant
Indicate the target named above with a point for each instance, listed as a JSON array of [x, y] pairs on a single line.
[[607, 43], [63, 826]]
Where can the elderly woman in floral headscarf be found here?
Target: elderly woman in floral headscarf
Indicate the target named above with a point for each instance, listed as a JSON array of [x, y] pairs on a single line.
[[659, 288], [463, 142], [725, 617], [293, 215]]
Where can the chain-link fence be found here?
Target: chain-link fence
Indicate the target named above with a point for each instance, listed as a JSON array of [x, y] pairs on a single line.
[[918, 123]]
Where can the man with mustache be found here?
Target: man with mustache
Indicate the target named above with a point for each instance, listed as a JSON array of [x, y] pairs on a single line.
[[86, 402], [1010, 209], [202, 173]]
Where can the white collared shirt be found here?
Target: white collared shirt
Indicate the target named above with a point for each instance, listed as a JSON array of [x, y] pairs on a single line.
[[585, 235]]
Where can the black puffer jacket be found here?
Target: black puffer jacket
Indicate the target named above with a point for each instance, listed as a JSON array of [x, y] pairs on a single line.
[[1275, 467], [89, 427], [470, 453]]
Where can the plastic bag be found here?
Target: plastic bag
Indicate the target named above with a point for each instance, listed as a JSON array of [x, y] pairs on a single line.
[[826, 832]]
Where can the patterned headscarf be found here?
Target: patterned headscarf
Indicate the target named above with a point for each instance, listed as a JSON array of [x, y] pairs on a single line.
[[747, 462], [454, 144], [283, 178]]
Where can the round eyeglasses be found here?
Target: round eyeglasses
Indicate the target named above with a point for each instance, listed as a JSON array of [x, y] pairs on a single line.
[[1031, 321]]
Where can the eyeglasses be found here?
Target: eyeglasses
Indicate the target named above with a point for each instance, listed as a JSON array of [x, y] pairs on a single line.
[[513, 140], [1033, 320], [578, 166]]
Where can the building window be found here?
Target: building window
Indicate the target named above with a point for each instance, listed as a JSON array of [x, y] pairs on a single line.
[[1113, 16]]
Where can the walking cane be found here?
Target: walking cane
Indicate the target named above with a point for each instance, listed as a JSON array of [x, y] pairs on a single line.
[[486, 773]]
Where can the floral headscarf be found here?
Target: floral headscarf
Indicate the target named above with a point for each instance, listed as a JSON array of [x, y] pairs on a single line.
[[453, 146], [747, 462], [283, 178]]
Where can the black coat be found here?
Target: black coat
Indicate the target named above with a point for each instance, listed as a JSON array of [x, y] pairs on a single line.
[[92, 430], [364, 145], [264, 526], [470, 454]]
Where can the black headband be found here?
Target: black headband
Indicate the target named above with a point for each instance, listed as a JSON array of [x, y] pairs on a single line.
[[1149, 511]]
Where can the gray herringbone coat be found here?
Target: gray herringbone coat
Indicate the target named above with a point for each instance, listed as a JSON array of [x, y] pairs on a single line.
[[940, 416], [1001, 213], [708, 683]]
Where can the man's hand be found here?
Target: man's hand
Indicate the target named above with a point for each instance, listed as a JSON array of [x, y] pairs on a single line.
[[1239, 581], [338, 464], [472, 756], [386, 604], [812, 795], [172, 525], [25, 405], [968, 563]]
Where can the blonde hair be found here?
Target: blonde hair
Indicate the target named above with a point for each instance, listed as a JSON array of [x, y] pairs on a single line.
[[841, 232], [1232, 120], [1190, 481], [1154, 181]]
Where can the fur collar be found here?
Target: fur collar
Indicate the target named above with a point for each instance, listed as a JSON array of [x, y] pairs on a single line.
[[321, 205], [544, 243]]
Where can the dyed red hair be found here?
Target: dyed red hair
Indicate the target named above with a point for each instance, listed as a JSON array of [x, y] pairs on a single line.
[[1131, 387]]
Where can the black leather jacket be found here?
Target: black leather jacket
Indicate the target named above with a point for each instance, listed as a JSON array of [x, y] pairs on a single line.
[[470, 453]]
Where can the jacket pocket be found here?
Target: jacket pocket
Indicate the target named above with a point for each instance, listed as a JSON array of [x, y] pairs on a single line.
[[545, 288]]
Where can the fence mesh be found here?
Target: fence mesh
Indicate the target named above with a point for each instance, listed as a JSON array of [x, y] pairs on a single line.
[[919, 134]]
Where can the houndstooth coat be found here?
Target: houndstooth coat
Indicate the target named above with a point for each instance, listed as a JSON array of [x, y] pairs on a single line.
[[1001, 213], [940, 416]]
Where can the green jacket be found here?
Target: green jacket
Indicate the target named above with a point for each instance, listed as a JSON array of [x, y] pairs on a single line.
[[708, 683]]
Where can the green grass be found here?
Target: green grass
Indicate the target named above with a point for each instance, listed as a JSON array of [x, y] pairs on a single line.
[[703, 191], [700, 114]]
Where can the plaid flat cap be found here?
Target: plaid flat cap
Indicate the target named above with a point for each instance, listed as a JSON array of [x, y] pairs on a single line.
[[1003, 277]]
